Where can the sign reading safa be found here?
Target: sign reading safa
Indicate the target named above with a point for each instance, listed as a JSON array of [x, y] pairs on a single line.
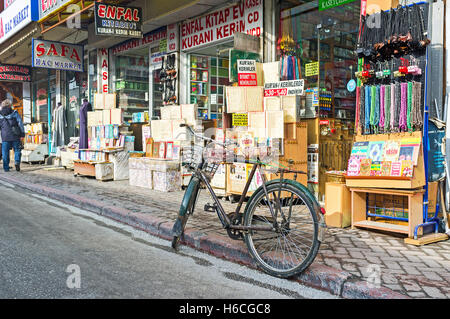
[[57, 55]]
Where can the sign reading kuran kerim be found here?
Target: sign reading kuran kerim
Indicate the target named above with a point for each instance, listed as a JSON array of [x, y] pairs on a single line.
[[57, 55], [118, 21]]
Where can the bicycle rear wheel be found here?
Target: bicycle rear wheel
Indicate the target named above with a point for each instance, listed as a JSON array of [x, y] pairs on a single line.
[[293, 244]]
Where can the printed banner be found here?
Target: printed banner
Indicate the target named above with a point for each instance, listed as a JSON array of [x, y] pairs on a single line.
[[245, 17], [247, 73], [57, 55], [117, 20]]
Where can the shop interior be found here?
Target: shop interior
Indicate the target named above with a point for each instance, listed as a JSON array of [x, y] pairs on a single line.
[[208, 76]]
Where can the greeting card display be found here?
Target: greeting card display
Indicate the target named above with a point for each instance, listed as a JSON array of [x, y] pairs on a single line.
[[365, 167], [376, 151], [391, 151], [353, 166]]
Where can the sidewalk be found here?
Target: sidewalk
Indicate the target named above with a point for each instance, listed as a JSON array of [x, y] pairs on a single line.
[[345, 260]]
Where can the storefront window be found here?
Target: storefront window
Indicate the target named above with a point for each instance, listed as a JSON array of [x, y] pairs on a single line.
[[92, 75], [43, 79], [132, 82], [76, 92], [319, 46], [13, 91]]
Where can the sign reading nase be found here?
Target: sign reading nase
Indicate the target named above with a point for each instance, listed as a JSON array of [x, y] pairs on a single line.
[[57, 55], [117, 20], [245, 17]]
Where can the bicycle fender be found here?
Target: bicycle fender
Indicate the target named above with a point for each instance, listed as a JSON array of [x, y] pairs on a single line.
[[190, 193]]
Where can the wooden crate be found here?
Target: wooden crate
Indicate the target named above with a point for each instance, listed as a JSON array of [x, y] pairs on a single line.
[[84, 168]]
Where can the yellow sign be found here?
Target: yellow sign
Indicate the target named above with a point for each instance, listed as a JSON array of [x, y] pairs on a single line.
[[312, 69], [240, 119]]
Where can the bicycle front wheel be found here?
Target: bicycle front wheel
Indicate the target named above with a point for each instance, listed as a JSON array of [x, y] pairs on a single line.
[[293, 243]]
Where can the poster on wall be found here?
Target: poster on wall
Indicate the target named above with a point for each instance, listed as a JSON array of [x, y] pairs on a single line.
[[57, 55], [245, 17], [115, 20], [10, 72]]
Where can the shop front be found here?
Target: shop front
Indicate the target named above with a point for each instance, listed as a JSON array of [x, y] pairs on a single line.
[[139, 68], [207, 44], [318, 46]]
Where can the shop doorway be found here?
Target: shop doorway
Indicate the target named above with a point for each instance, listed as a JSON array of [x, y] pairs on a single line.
[[13, 91], [75, 93], [208, 76]]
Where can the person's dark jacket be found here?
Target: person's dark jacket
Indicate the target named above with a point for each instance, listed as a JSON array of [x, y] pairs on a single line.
[[8, 119]]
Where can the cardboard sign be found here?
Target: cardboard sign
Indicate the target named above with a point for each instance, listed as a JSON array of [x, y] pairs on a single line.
[[57, 55], [247, 72], [284, 88], [312, 69], [117, 20], [240, 119]]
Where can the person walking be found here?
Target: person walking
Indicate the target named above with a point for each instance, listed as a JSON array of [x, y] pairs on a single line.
[[12, 131]]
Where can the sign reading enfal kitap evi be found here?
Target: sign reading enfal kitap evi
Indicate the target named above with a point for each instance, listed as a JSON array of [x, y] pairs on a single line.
[[57, 55], [10, 72], [14, 18], [284, 88], [327, 4], [118, 20], [245, 17]]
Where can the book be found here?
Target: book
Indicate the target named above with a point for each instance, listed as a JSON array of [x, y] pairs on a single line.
[[407, 168], [375, 169], [391, 151], [409, 149], [353, 167], [365, 167], [376, 151], [396, 168], [360, 149], [385, 168]]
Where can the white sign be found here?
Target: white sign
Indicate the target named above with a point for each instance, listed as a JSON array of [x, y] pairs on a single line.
[[247, 73], [173, 37], [14, 18], [57, 55], [245, 17], [102, 55], [47, 7], [292, 87]]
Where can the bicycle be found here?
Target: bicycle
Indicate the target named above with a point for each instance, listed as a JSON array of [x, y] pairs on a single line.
[[282, 223]]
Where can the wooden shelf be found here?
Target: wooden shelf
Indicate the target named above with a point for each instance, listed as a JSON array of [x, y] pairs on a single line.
[[382, 226]]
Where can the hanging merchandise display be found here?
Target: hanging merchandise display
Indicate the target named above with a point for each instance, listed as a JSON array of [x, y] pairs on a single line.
[[388, 171], [168, 76]]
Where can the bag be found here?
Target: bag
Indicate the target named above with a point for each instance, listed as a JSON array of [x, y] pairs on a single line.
[[15, 129]]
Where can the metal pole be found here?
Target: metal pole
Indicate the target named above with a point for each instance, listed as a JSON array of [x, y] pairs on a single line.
[[49, 107]]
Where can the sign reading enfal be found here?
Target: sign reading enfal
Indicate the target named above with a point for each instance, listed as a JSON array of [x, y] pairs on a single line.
[[57, 55], [117, 20], [10, 72], [48, 7], [245, 17]]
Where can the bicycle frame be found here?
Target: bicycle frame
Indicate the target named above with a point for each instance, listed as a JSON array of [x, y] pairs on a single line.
[[226, 221]]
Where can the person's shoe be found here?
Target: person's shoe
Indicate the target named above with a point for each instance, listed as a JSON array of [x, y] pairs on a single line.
[[18, 167]]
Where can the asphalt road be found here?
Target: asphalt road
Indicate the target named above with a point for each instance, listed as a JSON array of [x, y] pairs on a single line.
[[51, 250]]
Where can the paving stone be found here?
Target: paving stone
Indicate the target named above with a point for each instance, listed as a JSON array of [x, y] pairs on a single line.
[[403, 267], [433, 292]]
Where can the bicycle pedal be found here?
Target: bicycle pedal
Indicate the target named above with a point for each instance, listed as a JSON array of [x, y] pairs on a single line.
[[210, 208]]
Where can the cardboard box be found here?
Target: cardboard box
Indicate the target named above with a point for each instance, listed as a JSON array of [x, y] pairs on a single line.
[[337, 205], [290, 108], [380, 5], [116, 116], [104, 171], [242, 99], [189, 113], [272, 103], [168, 181]]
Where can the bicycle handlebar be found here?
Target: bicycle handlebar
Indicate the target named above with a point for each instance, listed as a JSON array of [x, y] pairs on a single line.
[[206, 138]]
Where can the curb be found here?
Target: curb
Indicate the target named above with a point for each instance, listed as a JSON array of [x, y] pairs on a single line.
[[336, 282]]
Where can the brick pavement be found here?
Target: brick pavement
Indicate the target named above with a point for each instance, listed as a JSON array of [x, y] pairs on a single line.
[[418, 272]]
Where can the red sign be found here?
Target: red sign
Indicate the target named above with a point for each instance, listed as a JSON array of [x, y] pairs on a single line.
[[247, 79], [275, 92]]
